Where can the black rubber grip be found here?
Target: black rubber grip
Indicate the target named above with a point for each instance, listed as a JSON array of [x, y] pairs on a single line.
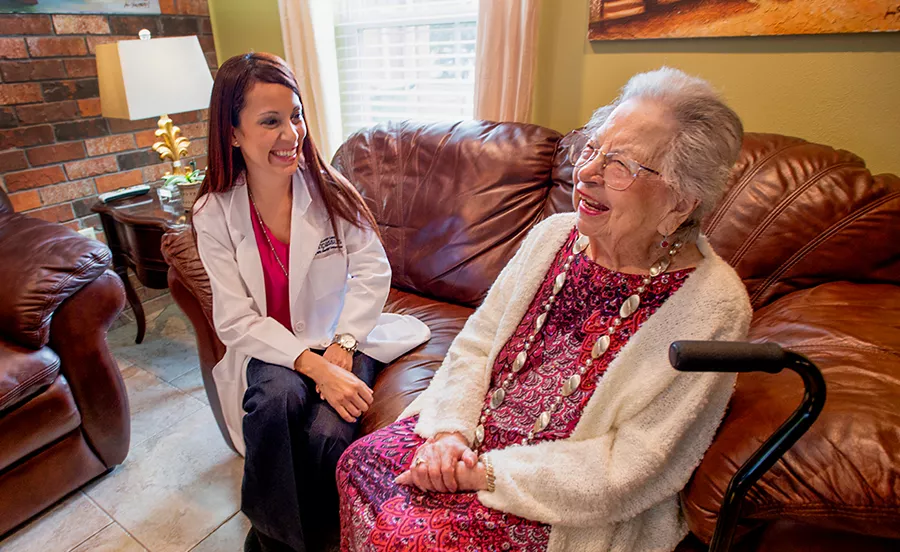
[[726, 356]]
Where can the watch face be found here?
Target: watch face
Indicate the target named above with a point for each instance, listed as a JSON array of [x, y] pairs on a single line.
[[347, 341]]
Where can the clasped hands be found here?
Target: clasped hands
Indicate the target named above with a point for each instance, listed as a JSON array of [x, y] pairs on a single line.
[[445, 464], [335, 381]]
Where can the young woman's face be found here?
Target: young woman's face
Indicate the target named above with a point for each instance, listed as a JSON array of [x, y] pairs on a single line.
[[270, 130]]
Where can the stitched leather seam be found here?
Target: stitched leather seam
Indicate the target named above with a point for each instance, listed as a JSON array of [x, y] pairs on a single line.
[[815, 510], [780, 208], [92, 261], [817, 241], [10, 397], [862, 347], [741, 185]]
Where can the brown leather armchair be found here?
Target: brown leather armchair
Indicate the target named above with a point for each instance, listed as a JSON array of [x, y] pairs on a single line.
[[63, 407], [815, 237]]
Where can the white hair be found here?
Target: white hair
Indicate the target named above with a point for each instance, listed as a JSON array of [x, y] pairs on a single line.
[[699, 158]]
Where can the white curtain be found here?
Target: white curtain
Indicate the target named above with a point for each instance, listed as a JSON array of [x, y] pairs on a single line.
[[505, 56], [307, 28]]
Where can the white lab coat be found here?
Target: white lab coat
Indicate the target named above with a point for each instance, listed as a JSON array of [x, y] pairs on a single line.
[[332, 290]]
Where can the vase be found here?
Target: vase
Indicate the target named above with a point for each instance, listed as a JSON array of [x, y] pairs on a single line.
[[189, 193]]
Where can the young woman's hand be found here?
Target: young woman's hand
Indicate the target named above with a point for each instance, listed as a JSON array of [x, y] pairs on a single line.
[[345, 392], [435, 464], [339, 356]]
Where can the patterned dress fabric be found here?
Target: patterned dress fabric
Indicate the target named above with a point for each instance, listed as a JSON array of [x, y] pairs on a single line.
[[380, 515]]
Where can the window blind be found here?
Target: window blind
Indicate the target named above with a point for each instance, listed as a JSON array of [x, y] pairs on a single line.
[[405, 59]]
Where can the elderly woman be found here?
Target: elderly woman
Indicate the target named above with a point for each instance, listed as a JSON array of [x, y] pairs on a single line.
[[556, 422]]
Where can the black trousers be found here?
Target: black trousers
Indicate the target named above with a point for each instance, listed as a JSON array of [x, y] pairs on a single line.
[[293, 442]]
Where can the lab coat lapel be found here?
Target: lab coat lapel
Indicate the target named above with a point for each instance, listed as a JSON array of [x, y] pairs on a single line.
[[306, 234], [247, 251]]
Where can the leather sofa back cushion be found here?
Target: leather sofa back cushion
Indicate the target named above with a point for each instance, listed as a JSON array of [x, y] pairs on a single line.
[[842, 474], [800, 214], [41, 265], [454, 200]]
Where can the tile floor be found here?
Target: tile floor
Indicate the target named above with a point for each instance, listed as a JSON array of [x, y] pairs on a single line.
[[179, 488]]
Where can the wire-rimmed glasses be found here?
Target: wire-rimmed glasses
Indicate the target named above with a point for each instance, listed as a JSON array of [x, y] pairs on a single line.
[[619, 172]]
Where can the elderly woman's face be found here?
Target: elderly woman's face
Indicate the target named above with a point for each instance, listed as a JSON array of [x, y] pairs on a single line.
[[613, 206]]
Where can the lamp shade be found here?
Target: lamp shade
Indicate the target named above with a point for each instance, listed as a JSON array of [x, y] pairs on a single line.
[[148, 78]]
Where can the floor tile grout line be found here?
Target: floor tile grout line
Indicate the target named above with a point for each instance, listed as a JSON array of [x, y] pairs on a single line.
[[169, 383], [111, 522], [114, 520], [98, 531], [197, 367], [181, 375], [176, 388], [137, 366], [231, 517], [173, 424]]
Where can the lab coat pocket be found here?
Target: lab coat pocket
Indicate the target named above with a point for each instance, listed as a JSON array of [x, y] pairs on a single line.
[[328, 274]]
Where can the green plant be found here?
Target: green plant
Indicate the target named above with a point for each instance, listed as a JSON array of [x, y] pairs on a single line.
[[189, 178]]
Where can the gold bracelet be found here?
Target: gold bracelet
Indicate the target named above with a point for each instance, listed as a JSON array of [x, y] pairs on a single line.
[[489, 473]]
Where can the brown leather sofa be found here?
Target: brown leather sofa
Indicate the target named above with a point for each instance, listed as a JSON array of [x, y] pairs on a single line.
[[63, 407], [814, 235]]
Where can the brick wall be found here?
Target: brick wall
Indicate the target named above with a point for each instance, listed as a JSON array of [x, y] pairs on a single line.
[[56, 151]]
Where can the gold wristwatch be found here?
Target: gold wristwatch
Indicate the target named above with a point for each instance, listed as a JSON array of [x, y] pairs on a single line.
[[346, 342]]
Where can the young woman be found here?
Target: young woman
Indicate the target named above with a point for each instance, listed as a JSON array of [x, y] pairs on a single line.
[[299, 279]]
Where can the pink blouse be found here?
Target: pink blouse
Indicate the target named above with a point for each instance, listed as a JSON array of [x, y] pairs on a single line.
[[278, 304]]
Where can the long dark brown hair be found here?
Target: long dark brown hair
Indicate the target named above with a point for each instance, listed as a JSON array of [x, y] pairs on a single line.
[[226, 162]]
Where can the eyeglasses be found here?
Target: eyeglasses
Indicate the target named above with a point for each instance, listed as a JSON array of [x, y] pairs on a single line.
[[619, 172]]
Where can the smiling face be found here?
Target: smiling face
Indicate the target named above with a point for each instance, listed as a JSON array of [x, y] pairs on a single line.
[[270, 131], [627, 222]]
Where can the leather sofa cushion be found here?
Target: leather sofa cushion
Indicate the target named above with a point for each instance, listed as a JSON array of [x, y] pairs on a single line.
[[41, 265], [453, 200], [24, 372], [43, 419], [179, 248], [400, 382], [841, 475]]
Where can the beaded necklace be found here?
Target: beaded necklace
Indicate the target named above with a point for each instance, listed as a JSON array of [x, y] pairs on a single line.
[[601, 345]]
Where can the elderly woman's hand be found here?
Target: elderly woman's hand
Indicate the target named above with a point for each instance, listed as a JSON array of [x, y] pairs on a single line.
[[471, 478], [434, 465]]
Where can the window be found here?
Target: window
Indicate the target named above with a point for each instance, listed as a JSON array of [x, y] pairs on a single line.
[[405, 59]]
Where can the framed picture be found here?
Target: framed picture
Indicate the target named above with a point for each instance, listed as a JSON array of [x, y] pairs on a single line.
[[80, 6], [638, 19]]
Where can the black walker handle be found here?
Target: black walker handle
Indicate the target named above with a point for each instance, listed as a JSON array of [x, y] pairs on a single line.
[[725, 356]]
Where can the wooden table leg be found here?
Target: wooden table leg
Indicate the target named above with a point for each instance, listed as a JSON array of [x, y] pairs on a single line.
[[133, 300]]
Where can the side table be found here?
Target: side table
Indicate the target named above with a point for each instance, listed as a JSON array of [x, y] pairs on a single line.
[[134, 228]]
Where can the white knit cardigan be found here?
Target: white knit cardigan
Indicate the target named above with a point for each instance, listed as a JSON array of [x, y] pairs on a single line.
[[613, 485]]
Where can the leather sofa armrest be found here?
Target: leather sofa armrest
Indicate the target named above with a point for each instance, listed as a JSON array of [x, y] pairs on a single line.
[[78, 336], [41, 265]]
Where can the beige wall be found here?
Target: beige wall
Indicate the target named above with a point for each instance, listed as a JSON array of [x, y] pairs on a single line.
[[841, 90], [243, 25]]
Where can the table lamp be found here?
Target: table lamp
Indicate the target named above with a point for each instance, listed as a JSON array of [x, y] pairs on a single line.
[[155, 77]]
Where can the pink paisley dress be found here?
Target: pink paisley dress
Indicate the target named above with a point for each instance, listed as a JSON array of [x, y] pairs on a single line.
[[379, 515]]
